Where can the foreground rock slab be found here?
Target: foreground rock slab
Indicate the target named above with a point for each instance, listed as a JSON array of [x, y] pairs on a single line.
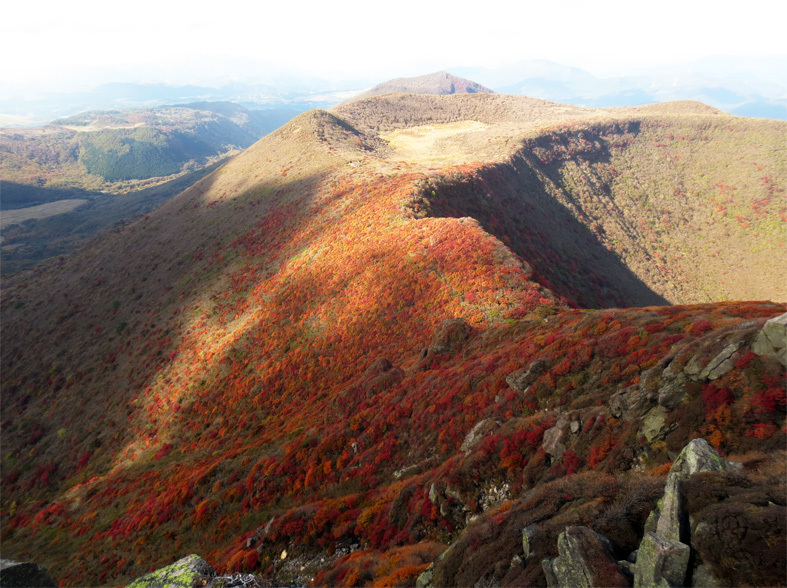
[[23, 575], [585, 560], [664, 554]]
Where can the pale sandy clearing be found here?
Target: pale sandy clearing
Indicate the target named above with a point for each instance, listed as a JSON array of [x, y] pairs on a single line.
[[96, 127], [437, 142], [13, 121], [11, 217]]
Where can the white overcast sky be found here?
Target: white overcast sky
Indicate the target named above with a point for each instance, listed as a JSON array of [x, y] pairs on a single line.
[[159, 40]]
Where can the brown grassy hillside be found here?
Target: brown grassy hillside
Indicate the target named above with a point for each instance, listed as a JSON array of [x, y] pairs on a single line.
[[307, 335]]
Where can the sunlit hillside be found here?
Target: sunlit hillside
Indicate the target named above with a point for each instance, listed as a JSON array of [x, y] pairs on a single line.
[[279, 368]]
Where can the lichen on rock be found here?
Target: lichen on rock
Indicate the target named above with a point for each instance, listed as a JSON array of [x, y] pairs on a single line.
[[189, 572]]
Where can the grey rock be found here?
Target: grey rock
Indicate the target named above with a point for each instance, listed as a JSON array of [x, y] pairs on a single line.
[[433, 494], [520, 380], [631, 403], [549, 572], [527, 536], [618, 405], [654, 424], [771, 341], [487, 581], [661, 562], [663, 554], [425, 579], [494, 493], [481, 428], [721, 363], [240, 581], [697, 456], [693, 368], [582, 552], [672, 389], [575, 426], [776, 330], [188, 572], [450, 335], [553, 442], [23, 575]]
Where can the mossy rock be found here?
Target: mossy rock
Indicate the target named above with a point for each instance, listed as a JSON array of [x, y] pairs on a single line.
[[189, 572]]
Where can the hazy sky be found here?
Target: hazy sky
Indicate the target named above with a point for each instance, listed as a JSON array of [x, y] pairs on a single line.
[[159, 40]]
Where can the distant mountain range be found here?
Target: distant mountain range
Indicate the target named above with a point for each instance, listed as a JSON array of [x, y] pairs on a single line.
[[738, 85]]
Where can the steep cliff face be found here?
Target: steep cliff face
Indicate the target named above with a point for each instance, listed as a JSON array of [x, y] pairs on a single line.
[[638, 212]]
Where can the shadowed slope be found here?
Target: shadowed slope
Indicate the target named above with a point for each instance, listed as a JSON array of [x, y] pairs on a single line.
[[273, 343]]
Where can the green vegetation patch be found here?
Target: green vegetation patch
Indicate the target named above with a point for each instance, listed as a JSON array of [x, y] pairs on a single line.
[[129, 154]]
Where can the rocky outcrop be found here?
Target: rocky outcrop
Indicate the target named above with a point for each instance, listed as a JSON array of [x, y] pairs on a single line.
[[449, 337], [631, 403], [664, 553], [671, 387], [425, 579], [520, 380], [661, 562], [478, 432], [586, 560], [189, 572], [553, 441], [771, 341], [380, 376], [23, 575], [719, 365], [654, 425]]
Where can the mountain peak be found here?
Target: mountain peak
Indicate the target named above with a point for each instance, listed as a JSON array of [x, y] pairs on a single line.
[[440, 82]]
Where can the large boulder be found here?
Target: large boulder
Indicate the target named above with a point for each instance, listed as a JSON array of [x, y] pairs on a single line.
[[697, 456], [190, 572], [632, 402], [478, 432], [23, 574], [520, 380], [654, 424], [448, 338], [553, 440], [661, 562], [664, 553], [721, 363], [451, 335], [771, 341], [585, 560]]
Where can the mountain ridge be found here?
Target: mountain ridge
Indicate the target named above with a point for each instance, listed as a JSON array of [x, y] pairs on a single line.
[[241, 361]]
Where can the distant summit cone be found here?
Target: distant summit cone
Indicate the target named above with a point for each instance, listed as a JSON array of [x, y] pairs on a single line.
[[440, 82]]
